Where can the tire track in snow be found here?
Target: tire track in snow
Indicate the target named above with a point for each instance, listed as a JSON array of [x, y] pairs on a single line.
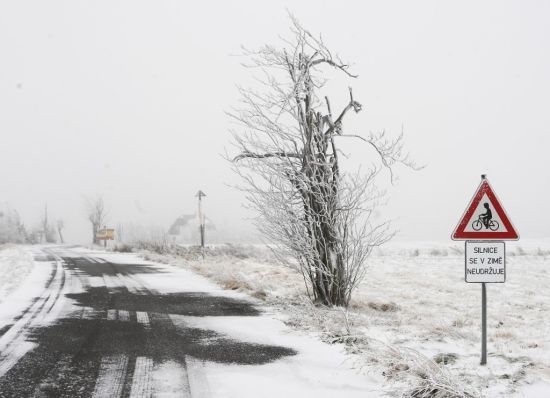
[[142, 380], [123, 315], [190, 374], [167, 379], [28, 309], [197, 378], [170, 380], [53, 380], [12, 343], [111, 377], [121, 375], [118, 375], [143, 318], [52, 301], [74, 366]]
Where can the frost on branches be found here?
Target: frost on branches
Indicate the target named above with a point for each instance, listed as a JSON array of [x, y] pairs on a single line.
[[288, 157], [12, 229]]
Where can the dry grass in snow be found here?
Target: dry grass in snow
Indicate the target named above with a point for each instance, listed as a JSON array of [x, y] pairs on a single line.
[[413, 319]]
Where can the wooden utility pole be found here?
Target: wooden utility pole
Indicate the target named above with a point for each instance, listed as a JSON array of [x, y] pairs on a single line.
[[200, 194]]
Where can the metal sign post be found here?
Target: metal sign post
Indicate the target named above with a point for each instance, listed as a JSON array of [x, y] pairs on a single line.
[[483, 324], [200, 194], [485, 260]]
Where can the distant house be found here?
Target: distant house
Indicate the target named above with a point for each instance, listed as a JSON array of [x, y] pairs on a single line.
[[185, 230]]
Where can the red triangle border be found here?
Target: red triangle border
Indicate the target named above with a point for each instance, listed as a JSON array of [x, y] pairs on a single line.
[[460, 233]]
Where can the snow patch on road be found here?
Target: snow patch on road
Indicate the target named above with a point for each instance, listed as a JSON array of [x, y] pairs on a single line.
[[110, 380], [170, 380], [317, 371]]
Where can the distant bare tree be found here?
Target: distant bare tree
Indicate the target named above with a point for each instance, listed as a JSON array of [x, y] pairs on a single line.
[[290, 162], [46, 230], [97, 215], [60, 227]]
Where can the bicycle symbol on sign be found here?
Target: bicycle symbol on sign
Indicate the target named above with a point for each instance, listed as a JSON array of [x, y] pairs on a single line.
[[485, 220]]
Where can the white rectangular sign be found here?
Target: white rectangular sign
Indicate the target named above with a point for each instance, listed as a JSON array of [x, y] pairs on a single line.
[[485, 262]]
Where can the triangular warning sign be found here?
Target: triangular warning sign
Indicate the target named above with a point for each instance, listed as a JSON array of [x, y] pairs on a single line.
[[485, 218]]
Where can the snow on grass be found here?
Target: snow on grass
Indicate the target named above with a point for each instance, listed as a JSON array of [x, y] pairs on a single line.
[[24, 271], [15, 266], [414, 319]]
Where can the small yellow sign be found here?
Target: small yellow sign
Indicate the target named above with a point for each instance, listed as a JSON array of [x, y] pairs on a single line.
[[105, 234]]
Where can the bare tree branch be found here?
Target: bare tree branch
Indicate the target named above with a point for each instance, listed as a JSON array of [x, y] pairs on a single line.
[[96, 213], [265, 155]]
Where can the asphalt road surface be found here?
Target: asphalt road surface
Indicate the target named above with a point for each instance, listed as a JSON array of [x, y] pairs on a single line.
[[98, 329]]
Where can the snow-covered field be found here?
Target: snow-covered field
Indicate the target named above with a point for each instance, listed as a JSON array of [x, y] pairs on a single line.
[[15, 266], [414, 320]]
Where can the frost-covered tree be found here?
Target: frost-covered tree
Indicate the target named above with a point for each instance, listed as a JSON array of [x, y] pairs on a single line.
[[12, 229], [96, 212], [287, 138]]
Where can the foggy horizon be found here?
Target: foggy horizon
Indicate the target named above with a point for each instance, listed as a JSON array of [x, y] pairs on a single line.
[[127, 100]]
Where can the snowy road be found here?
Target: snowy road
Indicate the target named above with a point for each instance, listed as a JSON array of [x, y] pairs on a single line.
[[112, 325]]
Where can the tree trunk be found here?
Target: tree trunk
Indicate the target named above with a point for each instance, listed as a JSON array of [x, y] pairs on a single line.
[[328, 282]]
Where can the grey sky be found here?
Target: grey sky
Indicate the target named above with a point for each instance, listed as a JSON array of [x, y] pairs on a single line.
[[127, 99]]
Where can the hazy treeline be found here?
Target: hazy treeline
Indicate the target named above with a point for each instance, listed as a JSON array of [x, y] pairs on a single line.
[[13, 230]]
